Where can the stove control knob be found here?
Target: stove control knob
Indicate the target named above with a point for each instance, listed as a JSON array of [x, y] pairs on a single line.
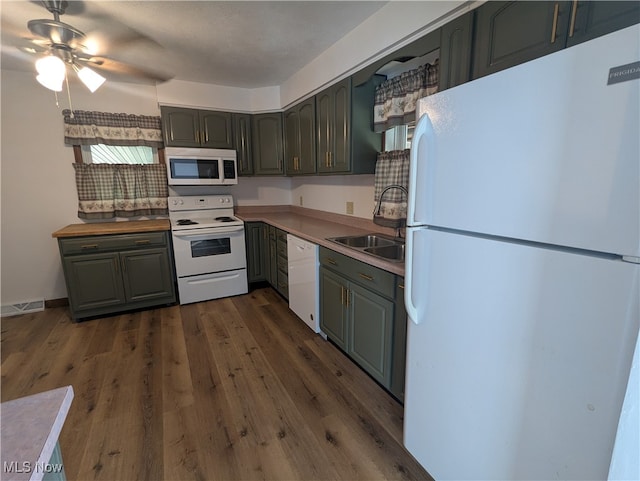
[[174, 202], [181, 201]]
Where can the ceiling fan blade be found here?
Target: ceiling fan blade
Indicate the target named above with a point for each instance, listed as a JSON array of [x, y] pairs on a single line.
[[123, 71]]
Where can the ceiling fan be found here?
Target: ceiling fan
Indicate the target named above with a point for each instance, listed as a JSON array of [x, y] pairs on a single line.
[[66, 46]]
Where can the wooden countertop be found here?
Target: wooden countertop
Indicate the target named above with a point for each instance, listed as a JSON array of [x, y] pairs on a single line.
[[318, 230], [29, 432], [103, 228]]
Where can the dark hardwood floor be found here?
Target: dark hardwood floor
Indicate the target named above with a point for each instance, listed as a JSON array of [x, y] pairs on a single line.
[[230, 389]]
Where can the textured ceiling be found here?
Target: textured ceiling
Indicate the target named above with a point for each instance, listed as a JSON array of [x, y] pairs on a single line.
[[241, 44]]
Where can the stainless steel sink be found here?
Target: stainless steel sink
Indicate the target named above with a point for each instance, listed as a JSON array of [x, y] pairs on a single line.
[[379, 245], [393, 252], [364, 241]]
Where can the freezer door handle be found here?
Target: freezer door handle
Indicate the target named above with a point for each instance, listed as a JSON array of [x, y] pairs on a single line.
[[421, 160]]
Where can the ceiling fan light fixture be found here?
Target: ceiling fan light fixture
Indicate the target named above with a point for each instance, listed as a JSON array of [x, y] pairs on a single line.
[[90, 78], [52, 83], [52, 71], [51, 66]]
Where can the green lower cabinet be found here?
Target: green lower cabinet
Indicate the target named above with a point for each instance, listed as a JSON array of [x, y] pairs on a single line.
[[122, 272], [95, 281], [54, 469], [360, 312], [333, 311], [370, 332], [257, 245], [147, 275]]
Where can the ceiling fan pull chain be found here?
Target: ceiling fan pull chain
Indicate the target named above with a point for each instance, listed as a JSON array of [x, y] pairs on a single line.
[[66, 78]]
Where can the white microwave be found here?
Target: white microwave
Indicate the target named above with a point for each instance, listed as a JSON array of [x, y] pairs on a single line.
[[193, 166]]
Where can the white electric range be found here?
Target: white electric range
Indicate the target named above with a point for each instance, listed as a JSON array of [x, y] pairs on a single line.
[[209, 247]]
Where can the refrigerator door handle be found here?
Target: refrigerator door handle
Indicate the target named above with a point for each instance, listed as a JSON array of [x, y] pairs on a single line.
[[409, 278], [423, 128]]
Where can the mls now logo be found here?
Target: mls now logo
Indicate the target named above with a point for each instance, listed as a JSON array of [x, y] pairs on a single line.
[[28, 467]]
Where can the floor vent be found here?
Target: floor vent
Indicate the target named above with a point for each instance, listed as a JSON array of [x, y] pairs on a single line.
[[22, 308]]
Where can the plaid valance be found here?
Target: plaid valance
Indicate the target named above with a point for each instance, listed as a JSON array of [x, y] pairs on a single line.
[[91, 128], [106, 191], [392, 168], [396, 98]]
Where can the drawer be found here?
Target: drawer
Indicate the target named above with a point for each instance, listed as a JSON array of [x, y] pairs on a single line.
[[364, 274], [103, 243]]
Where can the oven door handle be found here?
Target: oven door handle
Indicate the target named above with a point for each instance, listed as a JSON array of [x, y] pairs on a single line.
[[207, 233]]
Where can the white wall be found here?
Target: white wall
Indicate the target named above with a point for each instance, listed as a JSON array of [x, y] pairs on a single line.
[[38, 193], [332, 193]]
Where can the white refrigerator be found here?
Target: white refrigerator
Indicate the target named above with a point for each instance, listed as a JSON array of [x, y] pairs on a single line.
[[522, 267]]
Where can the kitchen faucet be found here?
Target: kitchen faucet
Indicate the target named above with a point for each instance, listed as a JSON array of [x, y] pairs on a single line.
[[397, 223]]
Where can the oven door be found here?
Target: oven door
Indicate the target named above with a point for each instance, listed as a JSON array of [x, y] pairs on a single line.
[[215, 249]]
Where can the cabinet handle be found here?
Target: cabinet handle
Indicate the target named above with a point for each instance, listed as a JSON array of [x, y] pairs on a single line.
[[326, 159], [555, 23], [574, 10], [89, 246], [331, 261], [205, 136], [197, 136], [401, 286], [365, 276], [143, 241], [330, 159]]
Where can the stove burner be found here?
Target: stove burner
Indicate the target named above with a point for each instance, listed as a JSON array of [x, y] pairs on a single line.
[[186, 222], [225, 219]]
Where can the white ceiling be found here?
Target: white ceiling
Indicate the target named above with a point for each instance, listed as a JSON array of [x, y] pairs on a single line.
[[238, 43]]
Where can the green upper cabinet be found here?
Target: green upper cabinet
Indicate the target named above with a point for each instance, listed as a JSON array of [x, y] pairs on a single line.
[[455, 51], [300, 138], [267, 147], [346, 142], [242, 142], [334, 128], [510, 33], [593, 19], [183, 127]]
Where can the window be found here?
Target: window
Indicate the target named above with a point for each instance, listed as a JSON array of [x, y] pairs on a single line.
[[119, 154]]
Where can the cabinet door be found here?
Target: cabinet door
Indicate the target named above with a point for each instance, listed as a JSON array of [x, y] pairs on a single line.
[[510, 33], [266, 132], [593, 19], [180, 127], [324, 127], [147, 275], [242, 142], [455, 51], [255, 244], [307, 135], [272, 274], [292, 140], [333, 311], [215, 130], [340, 156], [370, 332], [94, 281], [398, 359]]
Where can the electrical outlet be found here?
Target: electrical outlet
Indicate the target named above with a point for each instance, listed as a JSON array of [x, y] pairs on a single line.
[[349, 207], [300, 200]]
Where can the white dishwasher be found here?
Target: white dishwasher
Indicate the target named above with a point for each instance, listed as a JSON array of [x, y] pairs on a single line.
[[303, 280]]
